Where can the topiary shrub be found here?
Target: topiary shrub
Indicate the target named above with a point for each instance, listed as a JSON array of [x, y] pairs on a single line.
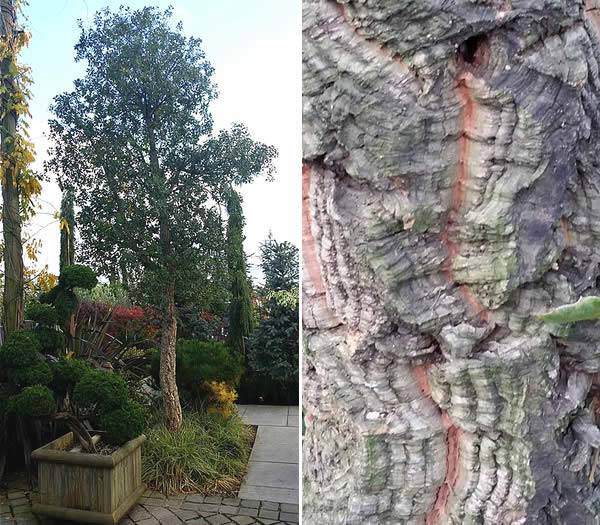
[[36, 374], [65, 303], [33, 401], [44, 314], [21, 349], [66, 373], [49, 296], [100, 391], [77, 276], [51, 341], [123, 424]]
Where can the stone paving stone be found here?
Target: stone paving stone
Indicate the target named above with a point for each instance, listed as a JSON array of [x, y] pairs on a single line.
[[163, 514], [243, 520], [172, 520], [228, 509], [270, 514], [152, 501], [149, 521], [213, 499], [232, 501], [185, 514], [269, 505], [127, 521], [201, 507], [197, 521], [250, 503], [248, 512], [288, 507], [287, 516], [218, 519], [195, 498], [139, 513]]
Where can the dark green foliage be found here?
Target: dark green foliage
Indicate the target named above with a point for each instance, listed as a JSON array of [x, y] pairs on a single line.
[[198, 325], [279, 263], [240, 311], [260, 388], [51, 341], [62, 296], [49, 297], [274, 344], [240, 307], [33, 401], [66, 373], [77, 276], [124, 423], [65, 303], [36, 374], [100, 391], [199, 361], [44, 314], [21, 349]]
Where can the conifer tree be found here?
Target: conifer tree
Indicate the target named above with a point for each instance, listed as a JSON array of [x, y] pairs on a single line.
[[240, 308]]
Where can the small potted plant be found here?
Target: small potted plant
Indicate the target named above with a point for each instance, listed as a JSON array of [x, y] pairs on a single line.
[[91, 476]]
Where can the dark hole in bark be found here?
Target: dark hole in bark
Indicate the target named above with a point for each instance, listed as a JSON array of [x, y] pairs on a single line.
[[474, 49]]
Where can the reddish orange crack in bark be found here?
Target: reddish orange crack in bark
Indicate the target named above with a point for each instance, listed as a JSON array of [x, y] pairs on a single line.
[[468, 120], [422, 379], [593, 12], [453, 436], [313, 279], [309, 252]]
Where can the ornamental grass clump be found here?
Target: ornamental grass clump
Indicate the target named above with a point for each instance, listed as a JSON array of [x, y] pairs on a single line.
[[208, 454]]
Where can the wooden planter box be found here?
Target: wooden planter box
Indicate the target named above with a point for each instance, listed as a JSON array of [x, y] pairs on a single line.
[[88, 488]]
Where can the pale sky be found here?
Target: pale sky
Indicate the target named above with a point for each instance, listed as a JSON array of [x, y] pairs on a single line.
[[254, 46]]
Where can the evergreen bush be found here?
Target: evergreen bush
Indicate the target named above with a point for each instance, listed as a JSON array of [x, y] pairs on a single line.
[[100, 391]]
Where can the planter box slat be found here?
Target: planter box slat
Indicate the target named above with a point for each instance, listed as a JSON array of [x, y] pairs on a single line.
[[88, 488]]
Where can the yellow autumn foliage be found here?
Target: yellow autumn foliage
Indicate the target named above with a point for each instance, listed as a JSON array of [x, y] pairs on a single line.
[[222, 398]]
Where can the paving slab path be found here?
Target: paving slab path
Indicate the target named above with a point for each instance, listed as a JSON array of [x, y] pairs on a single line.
[[273, 467], [156, 509]]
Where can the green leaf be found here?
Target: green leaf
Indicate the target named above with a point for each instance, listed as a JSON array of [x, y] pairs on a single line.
[[586, 309]]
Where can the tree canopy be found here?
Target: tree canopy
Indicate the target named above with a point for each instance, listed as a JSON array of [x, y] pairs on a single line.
[[134, 138], [279, 263]]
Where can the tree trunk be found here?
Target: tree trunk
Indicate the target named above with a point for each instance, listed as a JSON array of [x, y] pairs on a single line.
[[11, 217], [168, 338], [168, 383], [451, 194]]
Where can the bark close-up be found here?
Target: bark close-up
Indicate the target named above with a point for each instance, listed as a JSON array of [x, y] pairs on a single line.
[[451, 195]]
